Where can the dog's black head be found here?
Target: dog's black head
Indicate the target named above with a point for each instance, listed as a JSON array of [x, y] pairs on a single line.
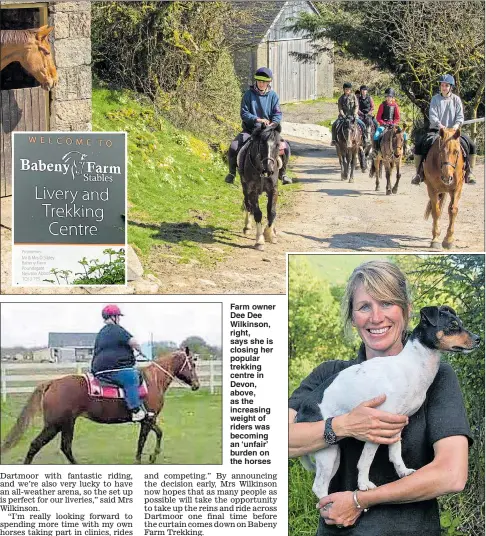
[[440, 328]]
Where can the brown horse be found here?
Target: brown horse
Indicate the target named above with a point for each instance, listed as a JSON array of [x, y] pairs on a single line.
[[32, 50], [444, 174], [390, 156], [349, 139], [63, 400]]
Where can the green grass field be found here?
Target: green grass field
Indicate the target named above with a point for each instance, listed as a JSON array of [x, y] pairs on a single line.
[[190, 421], [180, 206]]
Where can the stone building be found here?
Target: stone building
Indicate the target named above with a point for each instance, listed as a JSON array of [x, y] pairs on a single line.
[[265, 40]]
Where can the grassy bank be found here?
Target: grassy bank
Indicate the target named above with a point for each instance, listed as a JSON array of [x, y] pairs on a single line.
[[180, 207]]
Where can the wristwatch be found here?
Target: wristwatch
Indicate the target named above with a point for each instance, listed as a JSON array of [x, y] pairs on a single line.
[[329, 435]]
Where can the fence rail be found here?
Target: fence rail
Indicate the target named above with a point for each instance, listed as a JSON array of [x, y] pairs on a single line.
[[209, 373]]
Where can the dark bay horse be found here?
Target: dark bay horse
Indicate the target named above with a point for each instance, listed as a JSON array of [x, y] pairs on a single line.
[[32, 50], [64, 399], [444, 174], [258, 168], [349, 139], [390, 156]]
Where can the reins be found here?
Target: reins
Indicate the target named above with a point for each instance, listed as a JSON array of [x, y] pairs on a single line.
[[186, 362], [447, 163]]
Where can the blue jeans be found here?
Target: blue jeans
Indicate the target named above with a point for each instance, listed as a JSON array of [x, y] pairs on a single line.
[[128, 379]]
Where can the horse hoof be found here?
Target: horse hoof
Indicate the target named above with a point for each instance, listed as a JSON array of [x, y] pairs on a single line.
[[388, 192], [377, 188], [447, 245], [246, 231], [395, 190], [152, 458], [435, 245], [259, 247], [351, 180]]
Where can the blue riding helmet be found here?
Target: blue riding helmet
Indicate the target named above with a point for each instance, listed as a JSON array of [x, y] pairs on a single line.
[[448, 79], [264, 74]]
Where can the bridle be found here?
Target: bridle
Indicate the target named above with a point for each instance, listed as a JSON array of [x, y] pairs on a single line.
[[173, 376], [393, 146], [447, 163], [261, 170]]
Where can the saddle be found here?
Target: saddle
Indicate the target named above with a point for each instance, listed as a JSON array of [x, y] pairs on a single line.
[[104, 389], [240, 159]]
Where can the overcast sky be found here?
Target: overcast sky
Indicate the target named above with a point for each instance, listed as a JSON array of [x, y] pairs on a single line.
[[29, 324]]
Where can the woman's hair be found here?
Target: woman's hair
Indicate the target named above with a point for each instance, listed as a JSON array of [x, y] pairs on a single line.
[[384, 281]]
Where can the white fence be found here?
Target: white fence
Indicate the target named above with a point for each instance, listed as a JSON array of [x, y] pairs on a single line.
[[209, 373]]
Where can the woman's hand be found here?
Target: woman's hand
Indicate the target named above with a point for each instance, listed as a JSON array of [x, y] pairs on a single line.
[[366, 423], [342, 510], [266, 122]]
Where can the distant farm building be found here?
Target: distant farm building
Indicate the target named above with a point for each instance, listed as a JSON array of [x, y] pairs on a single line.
[[264, 41], [69, 347]]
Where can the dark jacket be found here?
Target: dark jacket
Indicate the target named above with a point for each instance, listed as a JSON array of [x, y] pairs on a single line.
[[111, 350], [257, 106]]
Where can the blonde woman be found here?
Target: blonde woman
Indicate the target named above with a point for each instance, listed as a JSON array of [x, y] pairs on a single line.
[[434, 440]]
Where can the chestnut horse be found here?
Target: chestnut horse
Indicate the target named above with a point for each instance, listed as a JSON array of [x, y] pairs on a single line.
[[64, 399], [390, 156], [444, 174], [349, 139], [32, 50]]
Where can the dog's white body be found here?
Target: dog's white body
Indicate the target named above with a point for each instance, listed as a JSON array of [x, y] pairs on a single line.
[[404, 379]]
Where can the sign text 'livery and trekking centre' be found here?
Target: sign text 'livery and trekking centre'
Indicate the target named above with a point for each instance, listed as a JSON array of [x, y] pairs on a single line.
[[69, 189]]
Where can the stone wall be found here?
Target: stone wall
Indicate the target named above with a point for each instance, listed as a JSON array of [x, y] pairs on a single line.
[[71, 101]]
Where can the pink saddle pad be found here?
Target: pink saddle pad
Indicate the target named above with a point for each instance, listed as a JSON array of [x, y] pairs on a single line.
[[99, 390]]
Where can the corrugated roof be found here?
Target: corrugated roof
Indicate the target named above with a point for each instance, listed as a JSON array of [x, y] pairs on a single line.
[[63, 340]]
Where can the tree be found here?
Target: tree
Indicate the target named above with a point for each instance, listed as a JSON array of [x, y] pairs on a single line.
[[415, 40]]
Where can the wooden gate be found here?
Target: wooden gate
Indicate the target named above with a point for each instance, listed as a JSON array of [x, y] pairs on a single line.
[[293, 80], [21, 110]]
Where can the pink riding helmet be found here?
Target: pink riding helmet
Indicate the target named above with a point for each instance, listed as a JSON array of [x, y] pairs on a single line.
[[111, 310]]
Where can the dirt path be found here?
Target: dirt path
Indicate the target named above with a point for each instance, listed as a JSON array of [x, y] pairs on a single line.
[[330, 215], [327, 215]]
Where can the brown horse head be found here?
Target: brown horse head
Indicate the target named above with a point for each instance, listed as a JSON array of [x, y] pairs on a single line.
[[350, 132], [184, 367], [31, 48], [450, 154], [392, 143]]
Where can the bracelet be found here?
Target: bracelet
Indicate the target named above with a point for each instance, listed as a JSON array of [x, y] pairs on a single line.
[[356, 502]]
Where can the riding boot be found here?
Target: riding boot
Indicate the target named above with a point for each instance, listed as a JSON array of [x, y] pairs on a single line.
[[281, 172], [419, 177], [470, 163], [139, 414], [232, 156]]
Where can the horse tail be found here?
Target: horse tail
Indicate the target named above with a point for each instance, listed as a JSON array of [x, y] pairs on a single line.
[[33, 406], [428, 209]]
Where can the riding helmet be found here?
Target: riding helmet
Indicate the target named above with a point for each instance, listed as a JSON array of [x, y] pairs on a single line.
[[111, 310], [363, 88], [448, 79], [264, 74], [347, 85], [389, 92]]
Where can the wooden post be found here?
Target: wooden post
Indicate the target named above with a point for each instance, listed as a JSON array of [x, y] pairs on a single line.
[[4, 384], [211, 376]]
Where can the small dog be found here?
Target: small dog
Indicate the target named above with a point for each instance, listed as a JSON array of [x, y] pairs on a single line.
[[404, 379]]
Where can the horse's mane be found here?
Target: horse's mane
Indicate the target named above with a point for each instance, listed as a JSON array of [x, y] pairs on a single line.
[[267, 133], [17, 37]]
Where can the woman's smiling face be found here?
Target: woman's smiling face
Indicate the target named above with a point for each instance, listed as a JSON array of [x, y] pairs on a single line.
[[380, 324]]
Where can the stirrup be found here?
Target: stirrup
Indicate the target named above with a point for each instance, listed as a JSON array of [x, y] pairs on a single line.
[[139, 415]]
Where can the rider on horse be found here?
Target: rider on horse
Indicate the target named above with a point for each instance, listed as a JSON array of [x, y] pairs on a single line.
[[445, 111], [348, 107], [366, 108], [388, 115], [260, 104], [114, 361]]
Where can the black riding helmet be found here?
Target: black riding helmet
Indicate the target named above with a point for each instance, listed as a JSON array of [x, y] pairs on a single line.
[[389, 92], [347, 85], [363, 88]]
